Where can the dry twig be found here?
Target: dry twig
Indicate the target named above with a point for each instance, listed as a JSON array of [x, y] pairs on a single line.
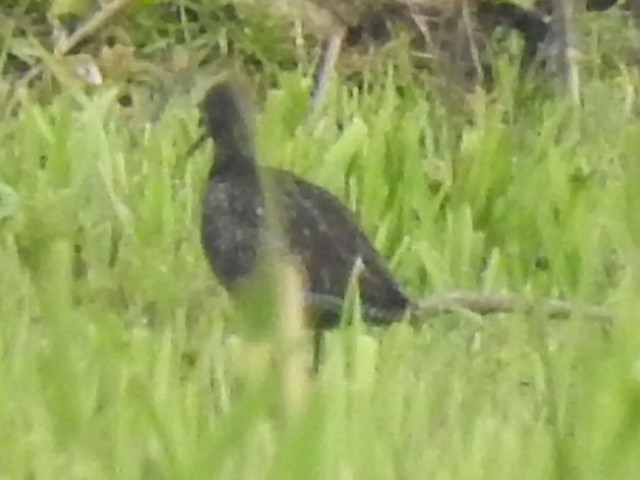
[[488, 304]]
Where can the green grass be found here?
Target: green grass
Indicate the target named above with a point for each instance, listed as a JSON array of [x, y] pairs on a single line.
[[120, 356]]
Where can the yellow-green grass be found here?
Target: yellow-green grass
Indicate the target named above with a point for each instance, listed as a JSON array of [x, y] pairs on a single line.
[[121, 357]]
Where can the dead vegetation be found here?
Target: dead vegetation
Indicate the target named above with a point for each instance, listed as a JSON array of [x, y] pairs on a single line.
[[453, 41]]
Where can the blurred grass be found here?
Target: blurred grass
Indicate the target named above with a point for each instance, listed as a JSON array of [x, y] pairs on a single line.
[[120, 356]]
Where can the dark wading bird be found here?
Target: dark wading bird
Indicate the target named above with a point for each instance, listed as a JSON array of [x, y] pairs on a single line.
[[322, 235]]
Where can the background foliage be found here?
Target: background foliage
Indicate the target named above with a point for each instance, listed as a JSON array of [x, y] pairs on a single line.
[[120, 356]]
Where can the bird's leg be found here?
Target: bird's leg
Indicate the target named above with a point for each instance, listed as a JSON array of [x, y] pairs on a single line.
[[318, 349], [322, 75]]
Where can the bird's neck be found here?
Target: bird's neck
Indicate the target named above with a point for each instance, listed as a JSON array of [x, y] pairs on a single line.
[[234, 158]]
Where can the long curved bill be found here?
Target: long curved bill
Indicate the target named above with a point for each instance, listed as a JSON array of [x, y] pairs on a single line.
[[195, 146]]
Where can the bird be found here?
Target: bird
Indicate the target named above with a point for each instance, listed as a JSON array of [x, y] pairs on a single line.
[[323, 236], [316, 229]]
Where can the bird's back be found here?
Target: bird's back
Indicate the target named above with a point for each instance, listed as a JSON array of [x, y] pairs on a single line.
[[329, 242]]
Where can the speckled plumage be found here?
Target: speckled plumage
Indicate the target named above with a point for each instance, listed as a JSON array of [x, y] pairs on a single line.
[[323, 236]]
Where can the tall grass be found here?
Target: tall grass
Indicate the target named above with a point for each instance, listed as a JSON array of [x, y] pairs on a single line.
[[120, 356]]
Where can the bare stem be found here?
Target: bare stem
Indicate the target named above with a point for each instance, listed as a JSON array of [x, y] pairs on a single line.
[[325, 69], [566, 67]]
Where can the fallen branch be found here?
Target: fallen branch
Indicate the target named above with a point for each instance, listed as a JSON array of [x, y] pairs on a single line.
[[490, 304]]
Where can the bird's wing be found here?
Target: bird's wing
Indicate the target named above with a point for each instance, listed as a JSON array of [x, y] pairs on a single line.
[[328, 239]]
